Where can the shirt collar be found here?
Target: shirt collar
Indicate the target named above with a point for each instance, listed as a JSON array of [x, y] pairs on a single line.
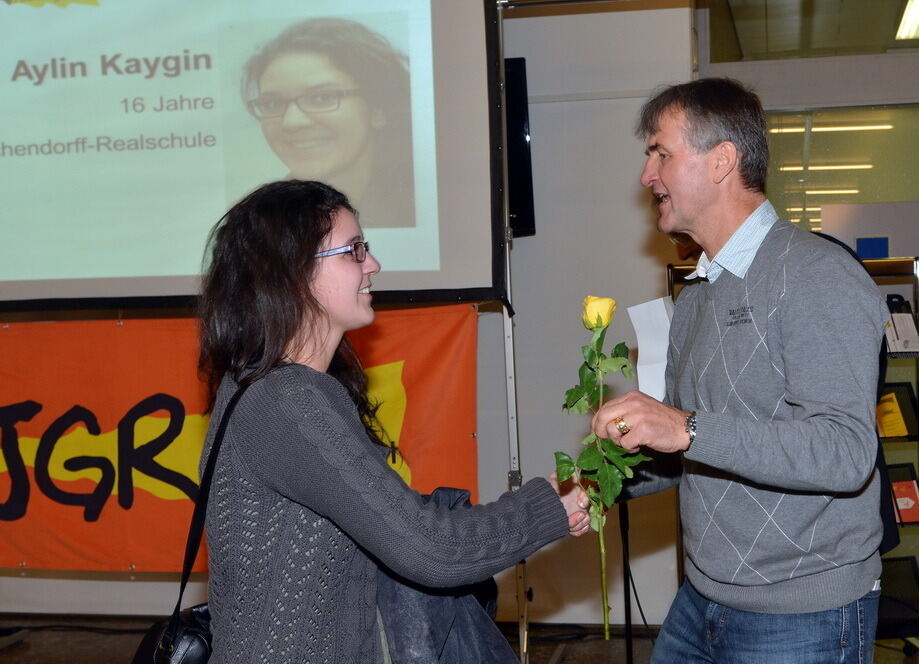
[[740, 249]]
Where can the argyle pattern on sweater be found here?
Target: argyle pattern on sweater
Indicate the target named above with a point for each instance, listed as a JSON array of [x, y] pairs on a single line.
[[779, 499]]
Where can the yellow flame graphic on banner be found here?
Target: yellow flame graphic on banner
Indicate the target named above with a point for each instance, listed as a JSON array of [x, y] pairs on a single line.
[[385, 387], [182, 455]]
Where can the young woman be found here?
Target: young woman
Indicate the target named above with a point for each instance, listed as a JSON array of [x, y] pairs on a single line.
[[334, 103], [303, 507]]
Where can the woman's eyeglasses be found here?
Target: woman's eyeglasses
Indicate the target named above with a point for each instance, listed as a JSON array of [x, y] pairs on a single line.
[[358, 251], [318, 101]]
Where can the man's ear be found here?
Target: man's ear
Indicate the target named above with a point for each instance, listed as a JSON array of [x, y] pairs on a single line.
[[725, 160]]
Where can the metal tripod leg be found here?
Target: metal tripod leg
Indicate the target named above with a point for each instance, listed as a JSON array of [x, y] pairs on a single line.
[[523, 601]]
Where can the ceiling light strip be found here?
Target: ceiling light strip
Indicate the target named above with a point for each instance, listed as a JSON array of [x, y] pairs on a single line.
[[909, 23], [829, 167], [800, 130], [828, 192]]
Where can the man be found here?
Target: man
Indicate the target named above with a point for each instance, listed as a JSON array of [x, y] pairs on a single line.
[[769, 414]]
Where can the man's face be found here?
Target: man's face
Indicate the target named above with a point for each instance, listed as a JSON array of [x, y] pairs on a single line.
[[680, 178]]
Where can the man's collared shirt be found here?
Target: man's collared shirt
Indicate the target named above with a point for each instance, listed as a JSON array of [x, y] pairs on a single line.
[[738, 252]]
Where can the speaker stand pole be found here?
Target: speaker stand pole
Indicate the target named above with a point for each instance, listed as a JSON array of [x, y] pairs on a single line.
[[514, 476], [626, 578]]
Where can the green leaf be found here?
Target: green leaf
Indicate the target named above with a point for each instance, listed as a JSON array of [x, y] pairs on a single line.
[[589, 438], [610, 449], [616, 455], [564, 466], [586, 377], [572, 396], [590, 356], [596, 341], [635, 459], [590, 458], [614, 364], [621, 350], [627, 371], [597, 518], [580, 406], [610, 480], [622, 459], [593, 397]]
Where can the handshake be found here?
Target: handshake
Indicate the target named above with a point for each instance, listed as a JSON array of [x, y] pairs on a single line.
[[576, 503]]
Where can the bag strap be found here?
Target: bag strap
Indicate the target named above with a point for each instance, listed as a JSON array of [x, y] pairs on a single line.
[[197, 518]]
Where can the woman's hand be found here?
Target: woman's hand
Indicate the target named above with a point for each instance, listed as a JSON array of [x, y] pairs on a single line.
[[575, 502]]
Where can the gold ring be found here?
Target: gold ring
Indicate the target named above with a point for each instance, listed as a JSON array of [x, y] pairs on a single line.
[[621, 425]]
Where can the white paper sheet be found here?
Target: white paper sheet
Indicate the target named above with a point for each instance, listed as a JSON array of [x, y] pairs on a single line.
[[902, 336], [651, 321]]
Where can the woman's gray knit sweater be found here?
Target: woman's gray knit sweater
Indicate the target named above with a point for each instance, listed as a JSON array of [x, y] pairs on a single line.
[[303, 508]]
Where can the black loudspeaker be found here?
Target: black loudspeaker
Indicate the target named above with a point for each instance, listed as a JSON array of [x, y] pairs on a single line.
[[519, 164]]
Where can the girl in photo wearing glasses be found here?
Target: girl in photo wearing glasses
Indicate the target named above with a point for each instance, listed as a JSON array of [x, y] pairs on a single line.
[[333, 100], [303, 508]]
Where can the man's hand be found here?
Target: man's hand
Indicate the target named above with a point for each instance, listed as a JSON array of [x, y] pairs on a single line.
[[634, 420]]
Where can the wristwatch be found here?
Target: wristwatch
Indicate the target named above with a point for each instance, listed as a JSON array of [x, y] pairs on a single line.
[[691, 427]]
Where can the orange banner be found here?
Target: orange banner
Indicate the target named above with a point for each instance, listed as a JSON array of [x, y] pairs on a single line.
[[102, 424]]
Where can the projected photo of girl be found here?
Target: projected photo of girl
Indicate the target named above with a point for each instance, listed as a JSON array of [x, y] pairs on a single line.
[[334, 104]]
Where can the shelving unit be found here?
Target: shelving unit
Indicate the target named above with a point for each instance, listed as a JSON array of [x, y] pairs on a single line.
[[899, 607]]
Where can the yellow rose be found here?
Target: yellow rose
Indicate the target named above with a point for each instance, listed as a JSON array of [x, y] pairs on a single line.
[[598, 308]]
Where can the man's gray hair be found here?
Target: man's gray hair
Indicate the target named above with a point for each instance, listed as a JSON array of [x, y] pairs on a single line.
[[716, 110]]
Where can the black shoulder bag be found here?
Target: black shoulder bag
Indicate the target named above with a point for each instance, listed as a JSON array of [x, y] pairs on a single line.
[[185, 637]]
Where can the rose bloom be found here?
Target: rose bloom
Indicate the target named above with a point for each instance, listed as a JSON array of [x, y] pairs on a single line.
[[595, 308]]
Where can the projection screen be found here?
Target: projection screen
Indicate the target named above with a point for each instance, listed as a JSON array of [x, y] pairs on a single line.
[[129, 127]]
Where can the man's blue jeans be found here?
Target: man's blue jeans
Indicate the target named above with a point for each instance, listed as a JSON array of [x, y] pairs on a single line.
[[698, 630]]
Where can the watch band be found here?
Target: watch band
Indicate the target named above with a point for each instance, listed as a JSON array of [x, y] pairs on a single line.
[[691, 426]]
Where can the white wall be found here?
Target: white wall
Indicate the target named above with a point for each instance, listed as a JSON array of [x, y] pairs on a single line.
[[895, 220], [50, 592], [588, 76]]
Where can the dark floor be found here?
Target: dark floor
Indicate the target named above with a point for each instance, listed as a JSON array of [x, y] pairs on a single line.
[[49, 639], [569, 644]]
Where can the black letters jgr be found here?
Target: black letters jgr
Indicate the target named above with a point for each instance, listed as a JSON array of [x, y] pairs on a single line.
[[129, 457]]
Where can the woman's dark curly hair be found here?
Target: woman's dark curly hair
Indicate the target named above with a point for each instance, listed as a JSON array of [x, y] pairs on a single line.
[[255, 297]]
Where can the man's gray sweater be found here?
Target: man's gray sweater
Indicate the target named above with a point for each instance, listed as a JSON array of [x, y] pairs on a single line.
[[779, 497]]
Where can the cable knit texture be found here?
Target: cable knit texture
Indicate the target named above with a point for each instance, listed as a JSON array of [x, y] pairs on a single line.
[[303, 509]]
